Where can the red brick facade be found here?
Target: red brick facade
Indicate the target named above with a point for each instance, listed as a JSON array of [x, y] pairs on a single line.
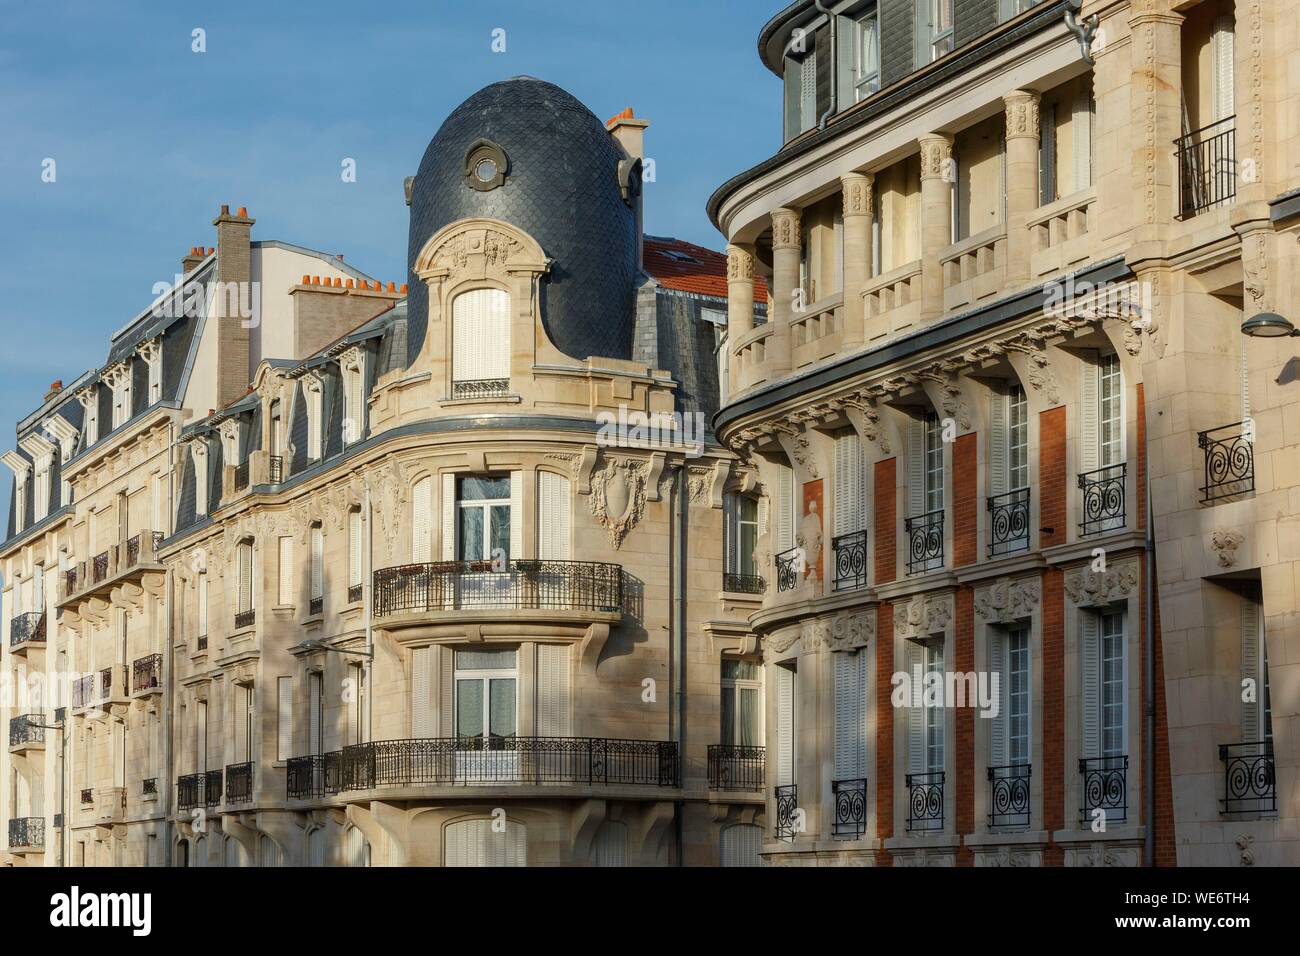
[[885, 517], [964, 663], [1053, 709], [965, 498], [1053, 487], [885, 717]]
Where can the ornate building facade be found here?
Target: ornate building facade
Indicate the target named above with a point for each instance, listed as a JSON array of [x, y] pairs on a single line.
[[1024, 487], [429, 576]]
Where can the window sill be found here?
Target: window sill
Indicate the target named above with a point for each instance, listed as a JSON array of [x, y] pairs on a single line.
[[448, 402]]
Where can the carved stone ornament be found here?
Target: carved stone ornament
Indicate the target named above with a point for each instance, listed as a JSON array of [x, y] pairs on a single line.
[[778, 643], [1088, 588], [740, 264], [478, 248], [1225, 543], [618, 494], [1007, 600], [851, 631], [389, 500], [923, 616]]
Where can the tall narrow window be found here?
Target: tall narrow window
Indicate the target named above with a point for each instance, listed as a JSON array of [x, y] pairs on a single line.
[[284, 718], [741, 535], [1112, 685], [866, 56], [202, 601], [1017, 438], [936, 19], [934, 716], [1110, 411], [850, 715], [317, 563], [486, 700], [850, 475], [554, 503], [355, 555], [481, 344], [933, 463], [286, 571], [275, 430], [201, 736], [742, 694], [422, 521], [246, 593], [315, 713], [314, 396], [1017, 695], [785, 724], [483, 526]]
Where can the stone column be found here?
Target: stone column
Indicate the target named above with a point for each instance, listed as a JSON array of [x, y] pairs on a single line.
[[857, 193], [785, 280], [740, 291], [936, 219], [1022, 180], [1155, 99]]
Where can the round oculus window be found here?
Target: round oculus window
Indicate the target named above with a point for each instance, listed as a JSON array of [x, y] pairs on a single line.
[[486, 170]]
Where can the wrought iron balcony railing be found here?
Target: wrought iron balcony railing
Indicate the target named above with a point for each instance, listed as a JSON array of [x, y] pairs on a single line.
[[201, 642], [239, 783], [1009, 795], [456, 585], [241, 477], [189, 791], [789, 569], [146, 673], [149, 786], [850, 551], [27, 627], [925, 542], [787, 806], [924, 801], [481, 388], [1249, 778], [850, 799], [26, 730], [1009, 523], [315, 606], [1229, 463], [275, 469], [1207, 167], [246, 618], [83, 691], [27, 833], [737, 767], [744, 583], [479, 761], [106, 683], [1105, 789], [354, 593], [312, 776], [1103, 499], [87, 796], [212, 788], [99, 566]]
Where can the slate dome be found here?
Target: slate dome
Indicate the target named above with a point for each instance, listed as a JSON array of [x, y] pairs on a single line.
[[561, 187]]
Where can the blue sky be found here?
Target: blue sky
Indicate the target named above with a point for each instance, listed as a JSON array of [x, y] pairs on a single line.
[[150, 138]]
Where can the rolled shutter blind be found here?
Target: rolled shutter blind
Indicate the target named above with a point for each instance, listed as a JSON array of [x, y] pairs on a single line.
[[286, 571], [731, 549], [314, 719], [998, 442], [422, 677], [449, 517], [516, 515], [241, 723], [850, 699], [317, 562], [1047, 155], [916, 756], [785, 511], [446, 661], [553, 690], [1224, 80], [481, 336], [1089, 413], [741, 843], [915, 467], [354, 540], [998, 664], [609, 846], [553, 503], [1081, 134], [849, 471], [284, 736], [1091, 700], [245, 577], [1250, 669], [422, 521], [784, 726]]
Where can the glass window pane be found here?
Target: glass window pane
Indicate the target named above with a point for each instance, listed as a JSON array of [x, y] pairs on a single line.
[[500, 530], [502, 709], [483, 488], [483, 660], [747, 718], [729, 715], [471, 534], [469, 708]]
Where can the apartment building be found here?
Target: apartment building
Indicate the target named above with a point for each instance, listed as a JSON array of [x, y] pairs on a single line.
[[429, 575], [1025, 410]]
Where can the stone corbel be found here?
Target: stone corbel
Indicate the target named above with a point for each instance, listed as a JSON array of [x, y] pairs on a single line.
[[1028, 356], [154, 584], [864, 415], [798, 449], [95, 610], [721, 472], [585, 466], [592, 643], [656, 469]]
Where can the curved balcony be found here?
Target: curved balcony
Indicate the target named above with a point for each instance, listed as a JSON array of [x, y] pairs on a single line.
[[26, 733], [127, 561], [584, 763], [579, 591], [27, 629]]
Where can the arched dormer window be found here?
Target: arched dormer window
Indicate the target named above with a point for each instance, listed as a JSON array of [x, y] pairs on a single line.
[[481, 344]]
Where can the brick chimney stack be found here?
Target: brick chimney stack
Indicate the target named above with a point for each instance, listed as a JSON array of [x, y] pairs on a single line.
[[629, 133], [191, 261], [55, 388], [235, 275]]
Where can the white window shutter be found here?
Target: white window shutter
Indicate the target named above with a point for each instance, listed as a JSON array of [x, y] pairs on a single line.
[[446, 661], [200, 738], [850, 712], [354, 409], [1089, 414], [516, 515], [1250, 670], [474, 843], [449, 517], [740, 845], [1081, 134], [850, 468], [730, 546], [998, 442], [422, 521], [1091, 699], [553, 690], [915, 467], [785, 510], [609, 845], [286, 571], [481, 336], [553, 519], [354, 548], [1222, 44], [422, 677], [916, 750], [317, 561], [808, 90], [240, 705], [315, 732], [998, 726], [785, 679], [203, 605], [284, 736], [245, 577]]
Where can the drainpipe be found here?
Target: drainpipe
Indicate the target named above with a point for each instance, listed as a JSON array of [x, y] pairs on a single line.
[[167, 770], [1149, 683], [677, 646], [835, 53]]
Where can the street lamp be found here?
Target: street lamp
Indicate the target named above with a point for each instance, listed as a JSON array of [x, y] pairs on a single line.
[[1268, 325], [315, 645]]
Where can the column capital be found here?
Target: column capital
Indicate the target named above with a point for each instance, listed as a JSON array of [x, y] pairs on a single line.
[[740, 263], [785, 227], [856, 189], [1021, 114], [936, 156]]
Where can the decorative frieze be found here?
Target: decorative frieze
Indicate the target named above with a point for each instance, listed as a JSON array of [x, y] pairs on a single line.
[[1007, 600], [923, 616], [1086, 587]]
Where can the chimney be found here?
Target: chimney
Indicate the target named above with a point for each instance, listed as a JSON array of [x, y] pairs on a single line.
[[55, 388], [629, 133], [235, 275], [192, 259]]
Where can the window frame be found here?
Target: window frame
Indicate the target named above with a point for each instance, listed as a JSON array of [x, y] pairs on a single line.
[[737, 685]]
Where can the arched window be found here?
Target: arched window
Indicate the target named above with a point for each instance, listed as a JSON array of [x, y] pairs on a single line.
[[740, 844], [609, 846], [476, 843], [481, 344]]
